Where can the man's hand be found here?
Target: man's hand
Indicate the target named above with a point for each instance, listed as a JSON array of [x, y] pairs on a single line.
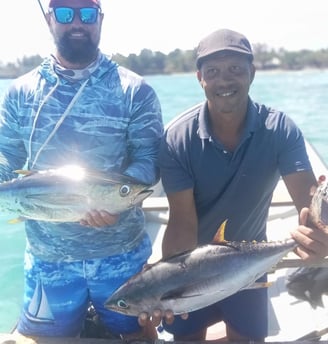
[[158, 316], [313, 241], [100, 218]]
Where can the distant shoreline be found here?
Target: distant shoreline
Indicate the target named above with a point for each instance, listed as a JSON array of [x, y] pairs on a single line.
[[267, 71]]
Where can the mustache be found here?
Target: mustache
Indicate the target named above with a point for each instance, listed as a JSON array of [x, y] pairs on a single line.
[[72, 31]]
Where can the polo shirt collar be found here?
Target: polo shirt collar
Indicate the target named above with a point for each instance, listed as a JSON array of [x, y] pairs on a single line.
[[252, 120]]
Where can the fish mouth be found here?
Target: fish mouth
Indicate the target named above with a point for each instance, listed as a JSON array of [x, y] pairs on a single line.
[[116, 309], [143, 194]]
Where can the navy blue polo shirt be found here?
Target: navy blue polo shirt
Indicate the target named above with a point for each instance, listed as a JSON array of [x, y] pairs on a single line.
[[238, 185]]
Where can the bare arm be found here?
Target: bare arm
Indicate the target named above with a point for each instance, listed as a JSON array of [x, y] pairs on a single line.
[[181, 231], [299, 186]]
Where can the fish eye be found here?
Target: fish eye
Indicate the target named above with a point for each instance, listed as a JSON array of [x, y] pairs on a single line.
[[122, 304], [125, 190]]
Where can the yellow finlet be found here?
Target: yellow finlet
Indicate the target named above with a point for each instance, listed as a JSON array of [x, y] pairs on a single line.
[[24, 172], [16, 220], [257, 285], [219, 236]]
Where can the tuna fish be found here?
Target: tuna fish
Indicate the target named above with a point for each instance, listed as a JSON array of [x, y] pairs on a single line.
[[205, 275], [198, 278], [67, 193]]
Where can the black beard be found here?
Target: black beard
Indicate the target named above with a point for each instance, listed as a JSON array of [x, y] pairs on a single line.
[[77, 51]]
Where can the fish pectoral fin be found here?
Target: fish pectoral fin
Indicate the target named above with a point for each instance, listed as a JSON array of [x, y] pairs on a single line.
[[257, 285], [180, 293], [191, 290]]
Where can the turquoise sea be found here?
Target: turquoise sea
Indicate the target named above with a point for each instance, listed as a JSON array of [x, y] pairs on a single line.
[[303, 95]]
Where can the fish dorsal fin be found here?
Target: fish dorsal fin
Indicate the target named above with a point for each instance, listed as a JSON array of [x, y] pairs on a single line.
[[219, 236]]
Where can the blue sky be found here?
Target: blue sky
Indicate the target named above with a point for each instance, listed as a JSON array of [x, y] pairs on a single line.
[[131, 25]]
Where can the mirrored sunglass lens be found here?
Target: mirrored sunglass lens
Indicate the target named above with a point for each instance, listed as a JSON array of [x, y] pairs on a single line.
[[64, 15], [88, 15]]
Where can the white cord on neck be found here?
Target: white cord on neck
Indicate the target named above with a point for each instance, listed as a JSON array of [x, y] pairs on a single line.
[[59, 122]]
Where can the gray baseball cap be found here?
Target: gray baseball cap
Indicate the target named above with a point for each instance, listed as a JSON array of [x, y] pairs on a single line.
[[223, 40]]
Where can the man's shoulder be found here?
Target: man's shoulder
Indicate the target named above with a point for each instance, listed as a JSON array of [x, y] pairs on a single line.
[[25, 83], [128, 72], [271, 117], [185, 119]]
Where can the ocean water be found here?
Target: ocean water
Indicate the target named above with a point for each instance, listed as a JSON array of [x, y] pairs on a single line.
[[302, 95]]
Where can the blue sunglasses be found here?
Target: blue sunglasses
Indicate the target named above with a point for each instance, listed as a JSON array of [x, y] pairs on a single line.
[[65, 15]]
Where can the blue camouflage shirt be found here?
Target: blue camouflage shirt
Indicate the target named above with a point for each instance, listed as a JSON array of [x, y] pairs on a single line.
[[108, 121]]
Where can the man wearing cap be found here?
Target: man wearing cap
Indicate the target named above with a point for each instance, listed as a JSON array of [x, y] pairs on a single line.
[[79, 107], [222, 160]]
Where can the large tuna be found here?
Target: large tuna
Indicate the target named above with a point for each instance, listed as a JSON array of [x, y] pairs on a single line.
[[196, 279], [205, 275]]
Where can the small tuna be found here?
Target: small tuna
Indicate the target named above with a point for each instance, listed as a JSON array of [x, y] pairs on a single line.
[[66, 194]]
